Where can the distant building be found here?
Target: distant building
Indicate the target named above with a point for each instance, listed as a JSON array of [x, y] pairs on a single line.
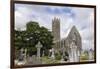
[[72, 44]]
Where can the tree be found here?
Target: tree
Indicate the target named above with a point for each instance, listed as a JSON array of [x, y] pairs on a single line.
[[33, 34], [41, 34], [19, 39], [46, 39]]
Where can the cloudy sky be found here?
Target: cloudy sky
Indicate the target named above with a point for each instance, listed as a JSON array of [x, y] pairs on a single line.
[[82, 18]]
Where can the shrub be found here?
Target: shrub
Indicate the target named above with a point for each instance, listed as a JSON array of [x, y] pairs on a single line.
[[58, 56]]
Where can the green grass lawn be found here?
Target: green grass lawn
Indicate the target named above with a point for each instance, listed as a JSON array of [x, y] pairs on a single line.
[[46, 60]]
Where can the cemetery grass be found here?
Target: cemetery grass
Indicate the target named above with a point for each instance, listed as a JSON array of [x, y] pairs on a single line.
[[84, 58], [47, 60]]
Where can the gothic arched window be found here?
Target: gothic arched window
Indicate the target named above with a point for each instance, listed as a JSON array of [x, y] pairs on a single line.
[[75, 37]]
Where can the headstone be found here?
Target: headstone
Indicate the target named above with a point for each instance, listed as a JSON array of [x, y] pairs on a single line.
[[63, 54], [30, 60], [21, 59], [52, 53], [74, 53], [25, 57], [38, 46], [43, 53], [21, 55], [90, 54]]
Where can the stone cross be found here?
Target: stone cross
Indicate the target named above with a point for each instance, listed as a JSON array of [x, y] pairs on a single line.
[[38, 46]]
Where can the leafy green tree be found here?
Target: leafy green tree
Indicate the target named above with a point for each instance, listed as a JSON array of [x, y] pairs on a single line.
[[19, 39], [46, 39], [41, 34], [33, 34]]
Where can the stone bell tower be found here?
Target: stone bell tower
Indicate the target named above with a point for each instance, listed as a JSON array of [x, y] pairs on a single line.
[[56, 29]]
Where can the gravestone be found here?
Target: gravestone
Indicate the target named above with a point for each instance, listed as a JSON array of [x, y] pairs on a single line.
[[25, 56], [90, 54], [35, 59], [38, 46], [52, 53], [74, 53], [21, 54], [49, 53], [31, 60], [21, 58], [43, 53], [63, 52]]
